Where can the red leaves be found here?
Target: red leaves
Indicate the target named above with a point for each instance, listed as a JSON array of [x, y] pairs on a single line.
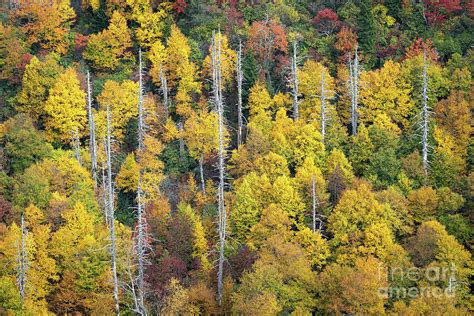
[[346, 40], [437, 10], [325, 15], [419, 46], [326, 21], [179, 6]]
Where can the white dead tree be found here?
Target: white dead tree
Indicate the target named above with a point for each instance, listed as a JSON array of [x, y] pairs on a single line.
[[141, 223], [164, 90], [294, 83], [240, 77], [315, 202], [76, 145], [104, 181], [219, 106], [22, 261], [179, 125], [354, 72], [201, 174], [323, 106], [110, 209], [92, 140], [425, 118]]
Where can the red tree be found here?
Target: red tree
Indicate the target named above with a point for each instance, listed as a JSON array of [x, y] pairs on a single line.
[[326, 21]]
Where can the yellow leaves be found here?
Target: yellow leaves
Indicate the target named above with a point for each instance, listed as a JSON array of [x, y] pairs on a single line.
[[151, 167], [151, 27], [386, 91], [65, 107], [158, 56], [272, 165], [122, 100], [77, 235], [228, 58], [295, 140], [106, 49], [310, 87], [259, 99], [127, 178], [338, 161], [200, 133], [38, 78], [314, 246], [179, 71], [200, 247]]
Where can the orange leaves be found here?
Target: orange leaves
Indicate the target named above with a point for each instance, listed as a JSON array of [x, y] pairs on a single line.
[[267, 37]]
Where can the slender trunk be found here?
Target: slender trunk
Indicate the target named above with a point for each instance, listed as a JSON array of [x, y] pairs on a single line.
[[111, 211], [76, 143], [239, 95], [22, 262], [315, 202], [140, 202], [181, 140], [201, 174], [92, 141], [294, 78], [323, 107], [354, 90], [425, 118], [164, 90], [104, 183], [221, 163]]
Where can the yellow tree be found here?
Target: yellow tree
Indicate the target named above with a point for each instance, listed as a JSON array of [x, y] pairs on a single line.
[[200, 135], [106, 49], [38, 78], [82, 236], [386, 91], [151, 23], [173, 62], [296, 140], [121, 99], [454, 116], [65, 107], [315, 81], [200, 247], [127, 178], [43, 268], [227, 59]]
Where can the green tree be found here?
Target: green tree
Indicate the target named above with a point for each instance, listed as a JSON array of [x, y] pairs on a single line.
[[23, 144]]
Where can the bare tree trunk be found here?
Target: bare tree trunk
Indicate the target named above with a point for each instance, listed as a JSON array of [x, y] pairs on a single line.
[[201, 174], [22, 261], [181, 140], [140, 203], [314, 199], [111, 211], [92, 141], [323, 107], [164, 90], [354, 90], [104, 182], [76, 144], [294, 78], [425, 118], [240, 77], [222, 222]]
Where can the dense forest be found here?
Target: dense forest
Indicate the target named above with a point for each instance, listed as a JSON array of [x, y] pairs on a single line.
[[236, 157]]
